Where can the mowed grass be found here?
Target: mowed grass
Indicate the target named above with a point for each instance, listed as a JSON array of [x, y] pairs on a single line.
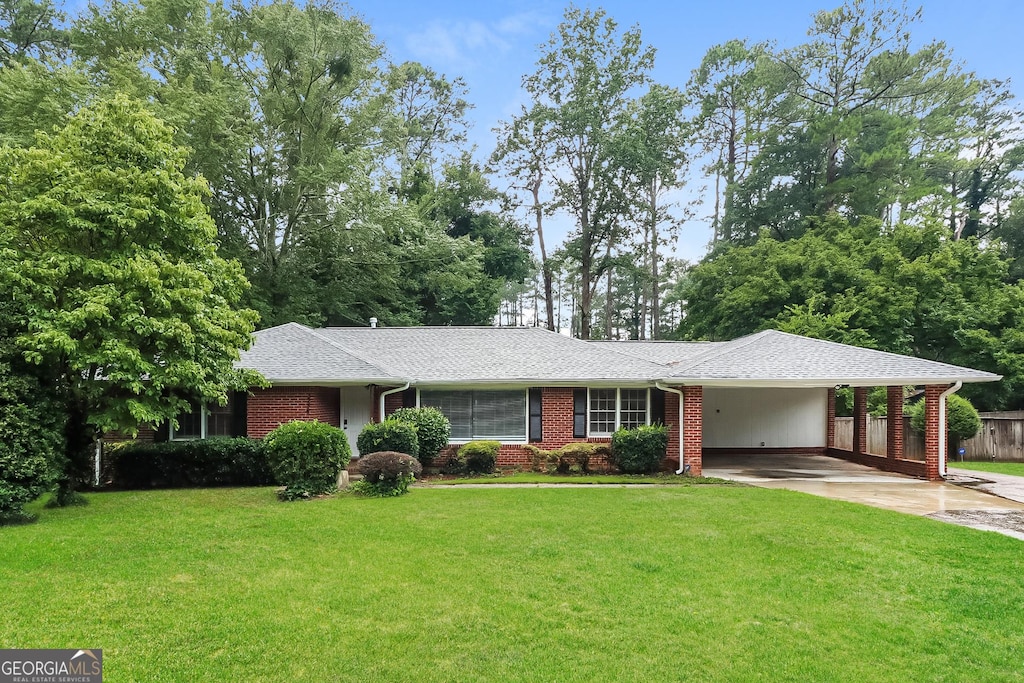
[[600, 584], [1016, 468], [542, 478]]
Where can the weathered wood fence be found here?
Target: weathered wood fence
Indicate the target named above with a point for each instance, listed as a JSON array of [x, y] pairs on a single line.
[[1001, 438], [913, 443]]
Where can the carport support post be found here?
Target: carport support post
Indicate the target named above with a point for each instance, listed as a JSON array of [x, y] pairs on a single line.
[[860, 420], [932, 392], [830, 436], [693, 429], [894, 423]]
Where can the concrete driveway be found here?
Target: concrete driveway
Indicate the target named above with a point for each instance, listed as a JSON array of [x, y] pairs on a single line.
[[834, 478]]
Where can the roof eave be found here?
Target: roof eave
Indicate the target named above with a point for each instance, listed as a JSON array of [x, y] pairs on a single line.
[[829, 382]]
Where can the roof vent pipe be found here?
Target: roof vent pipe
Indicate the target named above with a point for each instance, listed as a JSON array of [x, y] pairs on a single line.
[[373, 322]]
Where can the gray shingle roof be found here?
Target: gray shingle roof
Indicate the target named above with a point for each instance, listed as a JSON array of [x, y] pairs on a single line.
[[438, 355], [661, 352], [774, 357], [293, 354]]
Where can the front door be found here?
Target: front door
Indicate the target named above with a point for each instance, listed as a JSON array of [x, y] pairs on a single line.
[[356, 411]]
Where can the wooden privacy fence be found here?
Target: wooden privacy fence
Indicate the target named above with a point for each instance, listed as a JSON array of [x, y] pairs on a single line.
[[913, 442], [1001, 438]]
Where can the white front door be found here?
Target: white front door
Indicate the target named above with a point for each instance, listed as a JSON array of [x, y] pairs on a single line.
[[356, 411]]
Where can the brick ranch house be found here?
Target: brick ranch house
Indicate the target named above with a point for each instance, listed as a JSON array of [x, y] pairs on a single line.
[[768, 392]]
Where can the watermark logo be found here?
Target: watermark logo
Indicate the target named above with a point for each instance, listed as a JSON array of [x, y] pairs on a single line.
[[51, 666]]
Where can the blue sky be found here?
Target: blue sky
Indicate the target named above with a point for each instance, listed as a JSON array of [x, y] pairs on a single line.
[[493, 43]]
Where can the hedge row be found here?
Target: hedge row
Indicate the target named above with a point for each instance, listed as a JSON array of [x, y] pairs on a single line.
[[183, 464]]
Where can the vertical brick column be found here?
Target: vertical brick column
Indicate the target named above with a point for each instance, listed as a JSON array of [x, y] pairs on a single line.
[[931, 429], [830, 435], [693, 429], [860, 420], [894, 423]]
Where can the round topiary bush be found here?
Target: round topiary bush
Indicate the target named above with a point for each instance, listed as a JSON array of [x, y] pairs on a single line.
[[432, 429], [306, 457], [962, 419], [387, 473], [640, 450], [389, 435], [480, 456]]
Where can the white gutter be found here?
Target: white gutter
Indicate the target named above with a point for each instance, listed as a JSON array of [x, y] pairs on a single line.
[[388, 393], [942, 425], [682, 423]]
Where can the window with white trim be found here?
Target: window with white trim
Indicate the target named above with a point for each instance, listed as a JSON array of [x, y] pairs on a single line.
[[612, 409], [204, 422], [488, 414]]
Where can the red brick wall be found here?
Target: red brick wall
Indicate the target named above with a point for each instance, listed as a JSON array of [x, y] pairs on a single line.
[[931, 429], [894, 423], [693, 429], [270, 408], [860, 420]]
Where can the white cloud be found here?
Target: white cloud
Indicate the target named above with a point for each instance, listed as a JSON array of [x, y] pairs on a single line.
[[464, 43]]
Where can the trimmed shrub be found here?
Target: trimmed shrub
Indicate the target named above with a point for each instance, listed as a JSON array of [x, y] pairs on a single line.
[[386, 474], [31, 444], [189, 464], [432, 430], [640, 450], [455, 464], [389, 435], [480, 456], [962, 419], [307, 457], [572, 458]]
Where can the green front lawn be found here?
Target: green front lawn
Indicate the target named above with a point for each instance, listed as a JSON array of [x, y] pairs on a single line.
[[445, 584], [541, 478], [1016, 468]]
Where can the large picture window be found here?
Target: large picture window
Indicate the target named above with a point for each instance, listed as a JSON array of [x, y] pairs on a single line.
[[497, 415], [204, 422], [612, 409]]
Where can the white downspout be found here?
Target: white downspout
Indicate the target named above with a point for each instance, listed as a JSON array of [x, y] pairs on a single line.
[[682, 425], [942, 425], [388, 393]]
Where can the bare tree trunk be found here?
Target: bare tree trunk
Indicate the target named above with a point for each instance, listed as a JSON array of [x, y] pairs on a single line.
[[545, 267], [655, 283], [608, 292]]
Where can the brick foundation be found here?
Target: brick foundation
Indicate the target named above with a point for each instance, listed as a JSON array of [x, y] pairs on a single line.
[[912, 468], [270, 408]]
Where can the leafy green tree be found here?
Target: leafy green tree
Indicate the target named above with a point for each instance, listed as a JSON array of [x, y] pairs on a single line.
[[911, 290], [110, 257], [29, 29], [580, 95]]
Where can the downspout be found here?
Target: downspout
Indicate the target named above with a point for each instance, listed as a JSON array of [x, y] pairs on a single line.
[[682, 424], [942, 425], [388, 393]]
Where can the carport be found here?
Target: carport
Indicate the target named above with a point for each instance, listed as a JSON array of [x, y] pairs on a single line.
[[775, 393]]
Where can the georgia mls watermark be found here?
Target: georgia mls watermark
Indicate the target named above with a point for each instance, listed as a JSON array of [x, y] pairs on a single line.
[[51, 666]]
